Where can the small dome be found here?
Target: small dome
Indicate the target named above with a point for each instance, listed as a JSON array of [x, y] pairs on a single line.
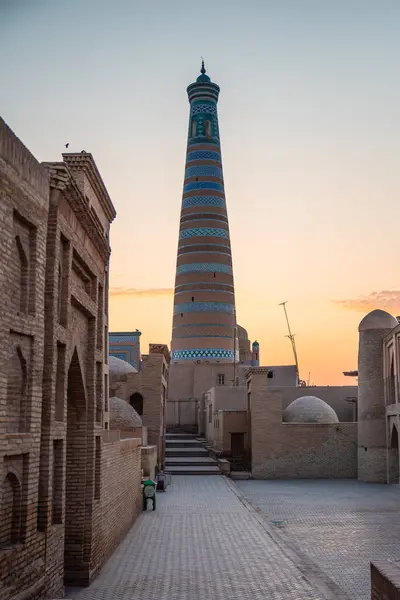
[[117, 366], [377, 319], [309, 409], [242, 333], [122, 415], [256, 344]]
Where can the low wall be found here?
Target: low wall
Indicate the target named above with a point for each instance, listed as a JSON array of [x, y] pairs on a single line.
[[309, 451], [121, 494], [385, 581]]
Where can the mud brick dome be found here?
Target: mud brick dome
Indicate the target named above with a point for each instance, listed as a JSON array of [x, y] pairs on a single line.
[[309, 409], [122, 415], [204, 303], [117, 366]]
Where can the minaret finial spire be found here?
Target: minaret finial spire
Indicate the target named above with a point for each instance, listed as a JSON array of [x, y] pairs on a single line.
[[202, 70]]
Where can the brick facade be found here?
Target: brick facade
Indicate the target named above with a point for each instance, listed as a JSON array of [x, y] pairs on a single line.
[[284, 450], [147, 392], [54, 259], [385, 581]]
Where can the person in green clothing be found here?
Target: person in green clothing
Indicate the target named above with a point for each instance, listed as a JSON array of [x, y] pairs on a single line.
[[149, 493]]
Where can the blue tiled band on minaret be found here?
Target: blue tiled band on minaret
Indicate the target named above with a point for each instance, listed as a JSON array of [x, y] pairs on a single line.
[[194, 353], [204, 268], [203, 185], [203, 201], [203, 155], [204, 307], [204, 232]]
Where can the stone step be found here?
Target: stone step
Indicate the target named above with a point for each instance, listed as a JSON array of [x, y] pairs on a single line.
[[179, 435], [192, 470], [185, 452], [198, 461], [182, 443]]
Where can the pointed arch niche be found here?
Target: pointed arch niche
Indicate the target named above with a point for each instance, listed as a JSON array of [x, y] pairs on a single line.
[[394, 471], [75, 482]]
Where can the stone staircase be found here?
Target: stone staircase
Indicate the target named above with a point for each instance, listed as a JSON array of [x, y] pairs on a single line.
[[185, 455]]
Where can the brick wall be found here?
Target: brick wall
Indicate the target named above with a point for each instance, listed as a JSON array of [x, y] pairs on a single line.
[[120, 493], [284, 450], [24, 203], [385, 581]]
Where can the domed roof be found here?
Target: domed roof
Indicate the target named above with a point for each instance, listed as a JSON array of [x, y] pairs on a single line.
[[117, 366], [242, 333], [378, 319], [122, 415], [309, 409]]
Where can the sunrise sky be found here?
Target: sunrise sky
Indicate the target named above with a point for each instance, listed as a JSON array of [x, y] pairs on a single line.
[[309, 120]]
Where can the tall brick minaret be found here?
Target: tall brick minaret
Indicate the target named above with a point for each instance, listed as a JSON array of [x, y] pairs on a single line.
[[204, 321]]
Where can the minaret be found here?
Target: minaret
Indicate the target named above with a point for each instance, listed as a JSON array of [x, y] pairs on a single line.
[[204, 305]]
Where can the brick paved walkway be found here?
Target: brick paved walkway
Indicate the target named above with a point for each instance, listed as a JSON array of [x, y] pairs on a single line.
[[202, 543], [340, 525]]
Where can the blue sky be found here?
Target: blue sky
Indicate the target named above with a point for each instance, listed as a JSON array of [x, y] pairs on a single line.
[[309, 119]]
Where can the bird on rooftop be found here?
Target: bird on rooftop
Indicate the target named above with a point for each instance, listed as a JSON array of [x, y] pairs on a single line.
[[66, 145]]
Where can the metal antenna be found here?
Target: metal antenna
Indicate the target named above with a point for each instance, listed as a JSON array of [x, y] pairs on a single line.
[[291, 338]]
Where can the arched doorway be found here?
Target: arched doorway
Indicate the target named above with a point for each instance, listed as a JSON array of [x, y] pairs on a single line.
[[75, 479], [394, 473], [136, 401]]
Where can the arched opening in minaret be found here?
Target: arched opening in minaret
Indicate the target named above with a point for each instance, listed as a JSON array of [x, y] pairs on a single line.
[[208, 128], [194, 128], [192, 298], [394, 473]]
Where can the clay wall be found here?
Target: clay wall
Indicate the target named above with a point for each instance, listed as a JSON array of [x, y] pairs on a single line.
[[285, 450], [120, 493]]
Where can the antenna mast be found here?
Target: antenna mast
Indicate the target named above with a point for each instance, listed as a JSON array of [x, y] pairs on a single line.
[[291, 338]]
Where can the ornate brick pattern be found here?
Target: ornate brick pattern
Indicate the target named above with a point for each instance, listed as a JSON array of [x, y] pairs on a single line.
[[204, 307], [204, 232], [203, 155], [196, 353], [204, 268], [203, 201]]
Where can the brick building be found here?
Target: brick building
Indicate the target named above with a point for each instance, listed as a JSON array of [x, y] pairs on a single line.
[[146, 390], [65, 478]]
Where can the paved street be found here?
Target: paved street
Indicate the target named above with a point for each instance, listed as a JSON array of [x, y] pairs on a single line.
[[340, 525], [201, 543]]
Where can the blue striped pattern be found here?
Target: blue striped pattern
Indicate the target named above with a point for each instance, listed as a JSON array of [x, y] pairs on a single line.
[[225, 307], [203, 171], [204, 232], [203, 155], [203, 185], [197, 353], [203, 201], [204, 268], [197, 291]]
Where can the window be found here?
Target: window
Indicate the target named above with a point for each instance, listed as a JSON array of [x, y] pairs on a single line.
[[210, 413], [194, 128], [208, 128], [221, 379], [270, 374], [192, 298]]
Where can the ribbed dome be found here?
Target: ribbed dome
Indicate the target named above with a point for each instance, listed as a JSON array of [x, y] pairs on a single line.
[[309, 409], [117, 366], [378, 319], [122, 415], [242, 333]]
